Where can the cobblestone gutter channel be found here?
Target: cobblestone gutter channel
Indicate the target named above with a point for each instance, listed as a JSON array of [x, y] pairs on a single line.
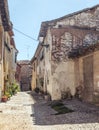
[[26, 112]]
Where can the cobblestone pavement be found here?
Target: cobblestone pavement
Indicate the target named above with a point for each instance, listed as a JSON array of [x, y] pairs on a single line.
[[15, 114], [26, 112]]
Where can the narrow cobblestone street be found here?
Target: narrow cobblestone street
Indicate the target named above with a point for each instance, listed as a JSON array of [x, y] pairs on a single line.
[[26, 112]]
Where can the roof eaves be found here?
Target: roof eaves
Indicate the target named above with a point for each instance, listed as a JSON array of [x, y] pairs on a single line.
[[71, 14]]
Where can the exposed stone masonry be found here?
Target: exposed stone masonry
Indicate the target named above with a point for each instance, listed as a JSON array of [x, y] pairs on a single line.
[[63, 40]]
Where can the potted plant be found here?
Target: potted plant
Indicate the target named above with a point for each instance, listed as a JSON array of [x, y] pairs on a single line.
[[4, 98]]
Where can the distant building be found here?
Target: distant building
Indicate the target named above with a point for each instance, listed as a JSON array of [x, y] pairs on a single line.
[[18, 73], [25, 75]]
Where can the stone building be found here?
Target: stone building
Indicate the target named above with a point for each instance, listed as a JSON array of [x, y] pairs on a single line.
[[25, 75], [34, 73], [13, 62], [67, 56], [10, 58], [8, 51], [38, 66]]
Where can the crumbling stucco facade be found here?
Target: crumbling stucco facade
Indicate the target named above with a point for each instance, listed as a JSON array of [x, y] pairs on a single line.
[[68, 73]]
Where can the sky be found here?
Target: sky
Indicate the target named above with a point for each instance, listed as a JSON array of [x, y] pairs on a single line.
[[27, 15]]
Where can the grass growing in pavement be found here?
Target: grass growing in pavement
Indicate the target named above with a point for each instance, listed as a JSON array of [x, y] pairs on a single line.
[[60, 108]]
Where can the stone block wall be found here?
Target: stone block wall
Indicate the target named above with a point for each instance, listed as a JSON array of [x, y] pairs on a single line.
[[62, 34], [88, 18], [25, 75]]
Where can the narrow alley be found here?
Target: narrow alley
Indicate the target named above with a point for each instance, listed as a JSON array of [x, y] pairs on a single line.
[[49, 65], [28, 111]]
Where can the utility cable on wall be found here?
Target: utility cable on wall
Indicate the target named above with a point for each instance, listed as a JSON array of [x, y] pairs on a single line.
[[25, 34]]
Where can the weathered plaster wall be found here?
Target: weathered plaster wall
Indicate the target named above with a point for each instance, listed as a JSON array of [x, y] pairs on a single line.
[[67, 73], [96, 76], [79, 76], [61, 73], [40, 70], [34, 75], [1, 58], [2, 61], [60, 49], [7, 58], [47, 74], [12, 64], [63, 79]]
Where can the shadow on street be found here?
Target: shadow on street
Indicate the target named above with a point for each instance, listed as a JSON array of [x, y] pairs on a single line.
[[43, 114]]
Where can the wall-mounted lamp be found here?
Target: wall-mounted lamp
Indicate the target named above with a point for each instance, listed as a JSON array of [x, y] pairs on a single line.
[[41, 40]]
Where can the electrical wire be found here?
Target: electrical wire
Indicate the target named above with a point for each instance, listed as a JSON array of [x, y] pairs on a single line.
[[25, 34]]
